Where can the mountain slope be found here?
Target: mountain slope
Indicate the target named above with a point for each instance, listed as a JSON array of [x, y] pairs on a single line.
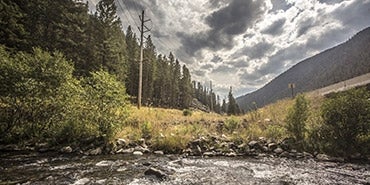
[[339, 63]]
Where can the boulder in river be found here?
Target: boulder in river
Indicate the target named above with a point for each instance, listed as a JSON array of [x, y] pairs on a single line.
[[66, 150], [138, 153], [156, 173], [278, 150], [96, 151]]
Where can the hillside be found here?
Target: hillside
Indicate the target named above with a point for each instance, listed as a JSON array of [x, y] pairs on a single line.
[[345, 61]]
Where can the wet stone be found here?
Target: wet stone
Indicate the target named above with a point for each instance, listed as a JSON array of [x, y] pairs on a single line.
[[138, 153], [159, 152], [125, 151], [66, 149], [278, 150], [156, 173]]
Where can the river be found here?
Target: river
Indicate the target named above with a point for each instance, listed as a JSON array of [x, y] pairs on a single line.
[[52, 168]]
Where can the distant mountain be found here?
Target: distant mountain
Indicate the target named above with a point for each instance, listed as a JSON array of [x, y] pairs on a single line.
[[345, 61]]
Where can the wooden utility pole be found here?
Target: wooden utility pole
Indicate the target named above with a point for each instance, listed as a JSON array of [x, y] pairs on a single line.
[[142, 31], [210, 84], [292, 86]]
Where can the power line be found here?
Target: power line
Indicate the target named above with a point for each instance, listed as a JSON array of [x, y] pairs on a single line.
[[132, 18]]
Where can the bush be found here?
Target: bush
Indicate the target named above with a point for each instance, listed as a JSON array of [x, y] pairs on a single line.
[[106, 103], [40, 100], [231, 124], [33, 92], [296, 120], [187, 112], [346, 123]]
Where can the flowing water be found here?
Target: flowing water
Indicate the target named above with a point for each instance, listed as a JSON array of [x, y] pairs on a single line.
[[48, 168]]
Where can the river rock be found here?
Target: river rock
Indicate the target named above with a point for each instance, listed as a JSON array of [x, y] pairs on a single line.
[[142, 149], [231, 154], [66, 150], [307, 155], [121, 142], [159, 152], [272, 146], [96, 151], [156, 173], [285, 154], [322, 157], [253, 144], [104, 163], [138, 153], [208, 154], [278, 150], [82, 181]]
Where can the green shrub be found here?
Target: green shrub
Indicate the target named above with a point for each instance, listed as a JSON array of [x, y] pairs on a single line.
[[296, 120], [187, 112], [106, 103], [231, 124], [146, 130], [346, 123], [32, 93], [40, 100]]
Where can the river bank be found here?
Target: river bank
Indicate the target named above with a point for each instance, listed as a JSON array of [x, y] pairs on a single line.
[[207, 146]]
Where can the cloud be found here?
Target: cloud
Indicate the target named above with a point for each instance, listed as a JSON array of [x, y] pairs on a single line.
[[276, 28], [245, 43], [305, 26], [255, 51], [224, 24]]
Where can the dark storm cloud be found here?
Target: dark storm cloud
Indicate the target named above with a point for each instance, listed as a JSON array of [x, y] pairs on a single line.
[[216, 59], [256, 51], [355, 16], [276, 62], [305, 26], [252, 79], [331, 1], [224, 24], [276, 28], [240, 64]]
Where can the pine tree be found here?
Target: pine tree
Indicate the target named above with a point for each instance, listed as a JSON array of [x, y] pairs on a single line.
[[186, 95], [133, 64], [233, 108], [149, 71]]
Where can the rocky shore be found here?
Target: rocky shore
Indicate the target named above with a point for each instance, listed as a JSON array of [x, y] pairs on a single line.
[[210, 146]]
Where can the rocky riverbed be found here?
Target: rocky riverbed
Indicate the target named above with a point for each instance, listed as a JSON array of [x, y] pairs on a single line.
[[54, 168]]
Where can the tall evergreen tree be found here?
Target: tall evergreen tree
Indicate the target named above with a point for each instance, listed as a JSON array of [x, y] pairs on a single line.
[[133, 64], [186, 95], [233, 108], [149, 70]]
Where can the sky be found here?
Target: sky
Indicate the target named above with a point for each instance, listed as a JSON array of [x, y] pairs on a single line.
[[244, 43]]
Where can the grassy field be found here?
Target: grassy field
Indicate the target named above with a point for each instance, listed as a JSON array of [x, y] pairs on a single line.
[[170, 130]]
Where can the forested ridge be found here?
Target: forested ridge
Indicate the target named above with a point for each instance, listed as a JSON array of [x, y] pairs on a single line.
[[345, 61]]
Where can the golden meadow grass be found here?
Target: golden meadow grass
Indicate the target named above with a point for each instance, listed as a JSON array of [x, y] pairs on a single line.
[[170, 130]]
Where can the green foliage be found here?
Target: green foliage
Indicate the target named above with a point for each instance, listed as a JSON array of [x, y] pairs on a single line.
[[346, 123], [276, 132], [41, 100], [296, 120], [146, 130], [106, 102], [231, 124], [233, 108], [187, 112]]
